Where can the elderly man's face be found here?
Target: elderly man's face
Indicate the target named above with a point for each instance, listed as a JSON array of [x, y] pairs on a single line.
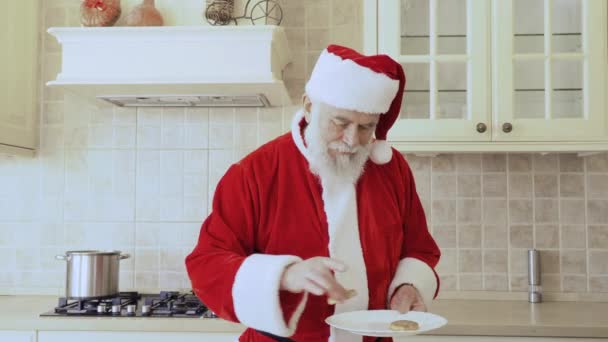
[[344, 131], [338, 140]]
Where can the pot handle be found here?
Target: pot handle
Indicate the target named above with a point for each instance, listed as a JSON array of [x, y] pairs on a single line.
[[61, 257], [125, 256]]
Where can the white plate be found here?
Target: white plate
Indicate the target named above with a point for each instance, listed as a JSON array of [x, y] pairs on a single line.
[[377, 322]]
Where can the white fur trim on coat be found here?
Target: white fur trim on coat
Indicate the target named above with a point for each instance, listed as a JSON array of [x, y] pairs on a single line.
[[348, 85], [381, 152], [418, 273], [256, 294]]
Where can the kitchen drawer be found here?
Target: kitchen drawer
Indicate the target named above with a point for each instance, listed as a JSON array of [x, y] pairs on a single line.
[[105, 336], [17, 336]]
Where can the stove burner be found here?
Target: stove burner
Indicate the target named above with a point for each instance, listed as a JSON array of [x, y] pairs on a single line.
[[134, 304]]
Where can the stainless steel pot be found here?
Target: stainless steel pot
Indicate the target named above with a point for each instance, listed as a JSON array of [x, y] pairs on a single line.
[[92, 274]]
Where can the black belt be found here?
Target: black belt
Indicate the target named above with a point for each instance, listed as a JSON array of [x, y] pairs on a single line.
[[275, 337]]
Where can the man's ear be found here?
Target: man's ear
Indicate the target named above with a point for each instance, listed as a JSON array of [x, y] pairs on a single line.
[[307, 105]]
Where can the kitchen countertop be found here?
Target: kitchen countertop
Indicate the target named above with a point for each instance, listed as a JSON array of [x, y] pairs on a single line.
[[465, 317]]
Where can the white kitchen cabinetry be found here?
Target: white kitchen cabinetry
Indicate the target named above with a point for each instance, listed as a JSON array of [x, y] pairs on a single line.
[[17, 336], [19, 72], [496, 75], [105, 336]]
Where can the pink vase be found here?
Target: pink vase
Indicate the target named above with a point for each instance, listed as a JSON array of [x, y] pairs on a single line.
[[144, 15]]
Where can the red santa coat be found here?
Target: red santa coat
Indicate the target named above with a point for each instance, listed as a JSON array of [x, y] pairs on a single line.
[[269, 211]]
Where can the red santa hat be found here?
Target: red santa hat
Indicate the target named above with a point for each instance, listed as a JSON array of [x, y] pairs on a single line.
[[346, 79]]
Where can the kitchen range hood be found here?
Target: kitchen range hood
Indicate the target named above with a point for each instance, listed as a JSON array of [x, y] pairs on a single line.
[[175, 66]]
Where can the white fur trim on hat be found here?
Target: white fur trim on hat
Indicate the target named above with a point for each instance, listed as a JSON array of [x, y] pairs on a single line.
[[348, 85], [381, 152]]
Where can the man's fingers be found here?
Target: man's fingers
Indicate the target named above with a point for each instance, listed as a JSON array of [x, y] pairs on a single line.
[[401, 303], [418, 306], [333, 289], [314, 288], [335, 265]]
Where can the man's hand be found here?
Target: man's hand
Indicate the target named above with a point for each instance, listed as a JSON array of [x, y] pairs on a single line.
[[407, 298], [315, 275]]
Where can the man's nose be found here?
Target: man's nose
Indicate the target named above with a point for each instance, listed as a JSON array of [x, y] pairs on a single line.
[[351, 137]]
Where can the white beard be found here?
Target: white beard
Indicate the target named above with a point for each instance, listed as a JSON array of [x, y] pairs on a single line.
[[343, 168]]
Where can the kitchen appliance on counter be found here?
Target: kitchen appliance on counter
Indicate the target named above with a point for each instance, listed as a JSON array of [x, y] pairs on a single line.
[[167, 304]]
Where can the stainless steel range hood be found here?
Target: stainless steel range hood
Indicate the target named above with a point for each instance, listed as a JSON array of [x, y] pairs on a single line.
[[179, 66]]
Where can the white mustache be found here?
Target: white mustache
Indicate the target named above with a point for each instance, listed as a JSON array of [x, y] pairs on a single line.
[[342, 147]]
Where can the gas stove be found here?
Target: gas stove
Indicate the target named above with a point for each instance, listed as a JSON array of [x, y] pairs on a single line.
[[168, 304]]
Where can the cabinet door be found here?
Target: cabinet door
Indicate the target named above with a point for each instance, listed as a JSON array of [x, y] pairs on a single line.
[[17, 336], [19, 74], [549, 65], [104, 336], [443, 47]]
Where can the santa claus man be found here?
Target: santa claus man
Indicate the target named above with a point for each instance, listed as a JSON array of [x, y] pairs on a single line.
[[316, 213]]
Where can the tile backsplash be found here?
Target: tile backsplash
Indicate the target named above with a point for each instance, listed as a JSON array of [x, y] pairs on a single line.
[[141, 181], [487, 210]]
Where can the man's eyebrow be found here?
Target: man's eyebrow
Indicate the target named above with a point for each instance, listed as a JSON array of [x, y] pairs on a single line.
[[341, 118]]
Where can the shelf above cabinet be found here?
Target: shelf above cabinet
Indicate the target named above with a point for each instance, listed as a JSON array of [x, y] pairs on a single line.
[[493, 147]]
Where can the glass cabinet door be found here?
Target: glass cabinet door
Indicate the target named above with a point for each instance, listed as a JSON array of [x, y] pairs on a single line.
[[549, 68], [443, 47]]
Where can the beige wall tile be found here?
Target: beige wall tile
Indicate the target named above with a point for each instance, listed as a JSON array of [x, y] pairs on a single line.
[[572, 185], [545, 163], [574, 283], [572, 211], [494, 162], [520, 162], [519, 282], [598, 262], [443, 163], [597, 162], [417, 163], [148, 280], [570, 162], [520, 211], [471, 282], [468, 163], [449, 282], [317, 16], [520, 185], [598, 284], [597, 211], [469, 185], [468, 210], [573, 236], [445, 236], [549, 261], [448, 263], [495, 236], [547, 236], [443, 186], [545, 185], [444, 211], [470, 260], [551, 282], [469, 236], [522, 236], [495, 211], [495, 185], [317, 39], [574, 262], [598, 237], [519, 260], [495, 261], [496, 282], [597, 185], [546, 211]]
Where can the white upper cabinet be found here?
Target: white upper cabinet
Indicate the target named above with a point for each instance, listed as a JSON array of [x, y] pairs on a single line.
[[496, 75], [19, 71]]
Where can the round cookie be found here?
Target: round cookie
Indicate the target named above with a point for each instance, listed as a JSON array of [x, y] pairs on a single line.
[[404, 325]]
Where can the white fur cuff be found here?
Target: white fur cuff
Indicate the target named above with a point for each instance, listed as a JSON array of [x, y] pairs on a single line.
[[418, 273], [256, 294]]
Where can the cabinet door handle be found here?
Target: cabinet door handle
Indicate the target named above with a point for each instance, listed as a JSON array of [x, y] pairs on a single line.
[[481, 127], [507, 127]]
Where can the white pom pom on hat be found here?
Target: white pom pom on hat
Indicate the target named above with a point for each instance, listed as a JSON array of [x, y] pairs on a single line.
[[346, 79]]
